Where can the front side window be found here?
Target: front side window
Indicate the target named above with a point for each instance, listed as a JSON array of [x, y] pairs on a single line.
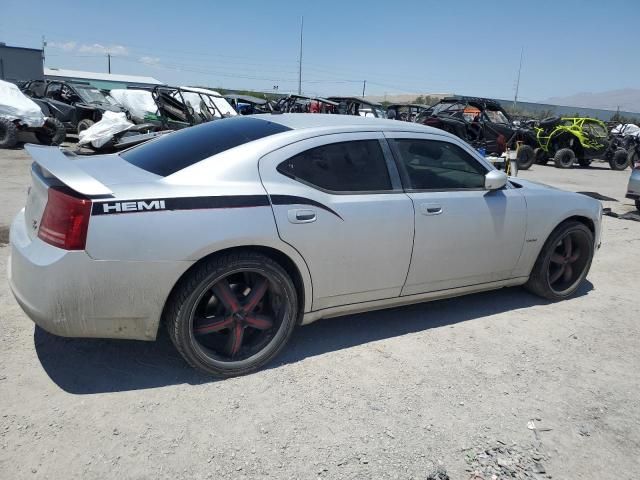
[[436, 165], [356, 166]]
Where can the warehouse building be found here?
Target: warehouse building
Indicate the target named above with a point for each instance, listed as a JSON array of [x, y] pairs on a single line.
[[106, 81], [19, 64]]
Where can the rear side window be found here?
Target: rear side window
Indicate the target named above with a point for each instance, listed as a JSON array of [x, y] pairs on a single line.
[[178, 150], [435, 165], [356, 166]]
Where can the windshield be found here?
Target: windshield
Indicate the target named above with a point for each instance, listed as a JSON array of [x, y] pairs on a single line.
[[496, 116], [380, 113], [92, 95]]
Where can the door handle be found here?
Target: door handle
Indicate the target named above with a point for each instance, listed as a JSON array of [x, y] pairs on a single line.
[[430, 209], [301, 216]]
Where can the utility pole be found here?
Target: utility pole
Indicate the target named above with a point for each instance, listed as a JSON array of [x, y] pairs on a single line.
[[364, 87], [44, 44], [515, 98], [300, 61], [109, 62]]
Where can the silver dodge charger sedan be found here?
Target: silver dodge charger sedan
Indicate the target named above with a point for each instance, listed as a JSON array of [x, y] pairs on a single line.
[[233, 232]]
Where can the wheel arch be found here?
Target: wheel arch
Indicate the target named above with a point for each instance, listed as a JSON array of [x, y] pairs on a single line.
[[299, 273]]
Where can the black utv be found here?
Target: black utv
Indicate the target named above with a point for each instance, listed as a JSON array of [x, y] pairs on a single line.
[[482, 123], [78, 105]]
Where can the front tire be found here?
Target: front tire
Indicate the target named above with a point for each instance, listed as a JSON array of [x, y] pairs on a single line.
[[620, 160], [52, 132], [542, 158], [232, 314], [563, 263], [84, 124], [525, 156], [564, 158], [8, 133]]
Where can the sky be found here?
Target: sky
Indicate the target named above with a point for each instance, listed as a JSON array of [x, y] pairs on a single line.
[[456, 46]]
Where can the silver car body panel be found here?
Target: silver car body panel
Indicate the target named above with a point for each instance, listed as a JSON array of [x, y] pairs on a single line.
[[358, 254], [633, 188]]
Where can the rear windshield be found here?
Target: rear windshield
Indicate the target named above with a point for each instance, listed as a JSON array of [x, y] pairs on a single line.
[[178, 150]]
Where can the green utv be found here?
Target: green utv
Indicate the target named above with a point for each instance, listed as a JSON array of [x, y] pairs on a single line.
[[568, 140]]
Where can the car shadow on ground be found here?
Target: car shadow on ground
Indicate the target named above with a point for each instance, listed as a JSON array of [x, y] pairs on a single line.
[[87, 366]]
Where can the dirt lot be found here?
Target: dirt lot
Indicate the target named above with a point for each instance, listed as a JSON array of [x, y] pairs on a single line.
[[392, 394]]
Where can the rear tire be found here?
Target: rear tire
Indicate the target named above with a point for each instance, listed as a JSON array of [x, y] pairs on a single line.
[[549, 277], [8, 133], [52, 133], [211, 324], [84, 124], [542, 158], [525, 156], [564, 158], [620, 160]]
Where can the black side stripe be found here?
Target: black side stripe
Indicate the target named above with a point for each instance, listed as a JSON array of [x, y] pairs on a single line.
[[197, 203], [293, 200]]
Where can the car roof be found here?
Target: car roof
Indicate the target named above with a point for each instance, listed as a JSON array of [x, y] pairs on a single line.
[[300, 121]]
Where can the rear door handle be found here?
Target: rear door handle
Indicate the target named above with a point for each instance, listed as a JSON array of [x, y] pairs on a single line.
[[430, 208], [301, 216]]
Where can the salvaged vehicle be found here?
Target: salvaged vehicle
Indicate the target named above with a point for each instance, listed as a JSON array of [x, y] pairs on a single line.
[[579, 139], [180, 107], [359, 106], [482, 123], [233, 232], [249, 105], [406, 112], [304, 104], [78, 105], [18, 113]]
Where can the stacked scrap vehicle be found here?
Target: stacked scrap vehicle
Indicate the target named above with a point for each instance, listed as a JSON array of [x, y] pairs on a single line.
[[19, 113], [151, 113], [249, 105], [78, 105], [484, 124], [304, 104], [406, 112], [578, 139], [358, 106]]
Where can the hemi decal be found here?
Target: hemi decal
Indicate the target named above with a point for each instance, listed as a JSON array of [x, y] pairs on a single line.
[[199, 203]]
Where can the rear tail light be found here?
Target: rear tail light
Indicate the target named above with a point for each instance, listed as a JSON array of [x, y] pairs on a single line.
[[65, 220]]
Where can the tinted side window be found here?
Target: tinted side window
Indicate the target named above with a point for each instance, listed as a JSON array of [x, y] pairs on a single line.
[[356, 166], [435, 165]]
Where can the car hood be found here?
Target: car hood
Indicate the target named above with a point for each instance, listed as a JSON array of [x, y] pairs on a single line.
[[530, 184]]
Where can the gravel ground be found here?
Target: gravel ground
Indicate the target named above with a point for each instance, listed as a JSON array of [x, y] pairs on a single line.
[[493, 385]]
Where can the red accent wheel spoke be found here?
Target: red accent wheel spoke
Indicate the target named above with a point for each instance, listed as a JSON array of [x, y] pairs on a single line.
[[558, 273], [205, 325], [568, 245], [557, 258], [568, 273], [261, 322], [222, 290], [234, 342], [257, 293], [573, 258]]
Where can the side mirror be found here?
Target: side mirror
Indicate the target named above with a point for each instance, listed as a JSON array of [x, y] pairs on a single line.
[[495, 180]]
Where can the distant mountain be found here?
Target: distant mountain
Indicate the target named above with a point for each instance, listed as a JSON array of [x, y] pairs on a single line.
[[627, 99]]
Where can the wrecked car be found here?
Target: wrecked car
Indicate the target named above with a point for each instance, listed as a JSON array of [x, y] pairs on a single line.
[[78, 105], [359, 106], [578, 139], [406, 112], [304, 104], [18, 113], [248, 104], [482, 123]]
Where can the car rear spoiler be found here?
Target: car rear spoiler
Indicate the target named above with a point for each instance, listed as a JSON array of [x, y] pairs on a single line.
[[54, 161]]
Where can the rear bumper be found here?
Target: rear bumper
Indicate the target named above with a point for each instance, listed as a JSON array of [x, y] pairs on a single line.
[[71, 294]]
